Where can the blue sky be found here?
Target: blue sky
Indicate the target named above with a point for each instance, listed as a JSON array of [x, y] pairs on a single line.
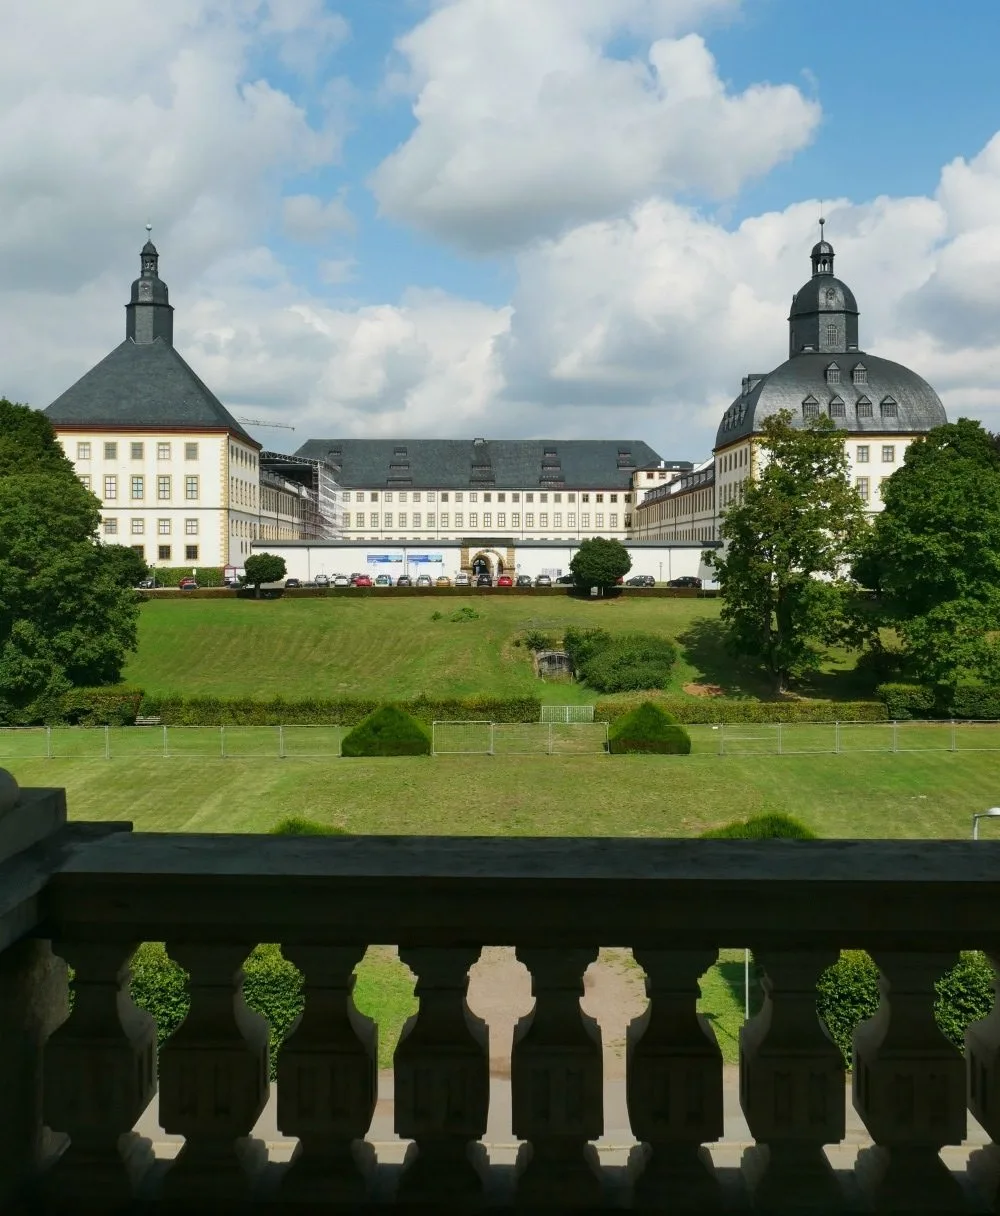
[[507, 217]]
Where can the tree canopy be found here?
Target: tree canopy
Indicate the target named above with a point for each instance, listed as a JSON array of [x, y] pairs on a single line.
[[600, 562], [263, 568], [790, 540], [65, 620], [128, 567], [934, 554]]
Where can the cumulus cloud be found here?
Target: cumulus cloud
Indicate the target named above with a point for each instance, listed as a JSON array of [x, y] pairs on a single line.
[[527, 123], [307, 218]]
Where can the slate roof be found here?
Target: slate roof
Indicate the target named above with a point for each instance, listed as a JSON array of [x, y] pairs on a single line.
[[918, 407], [470, 464], [143, 385]]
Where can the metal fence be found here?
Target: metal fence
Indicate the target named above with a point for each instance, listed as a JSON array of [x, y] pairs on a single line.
[[837, 738], [190, 742], [567, 713], [519, 738]]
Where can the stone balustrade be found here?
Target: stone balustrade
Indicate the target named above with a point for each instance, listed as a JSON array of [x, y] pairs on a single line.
[[75, 1084]]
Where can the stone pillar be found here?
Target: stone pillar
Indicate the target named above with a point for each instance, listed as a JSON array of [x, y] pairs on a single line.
[[674, 1086], [909, 1089], [791, 1088], [328, 1080], [557, 1084], [214, 1078], [442, 1083], [99, 1076], [33, 1002]]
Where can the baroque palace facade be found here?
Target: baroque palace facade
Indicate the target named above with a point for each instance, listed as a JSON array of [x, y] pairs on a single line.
[[180, 478]]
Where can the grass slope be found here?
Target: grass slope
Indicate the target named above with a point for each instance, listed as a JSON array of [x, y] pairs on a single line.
[[392, 648]]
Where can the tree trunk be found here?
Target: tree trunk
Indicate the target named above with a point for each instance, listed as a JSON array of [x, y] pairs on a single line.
[[256, 591]]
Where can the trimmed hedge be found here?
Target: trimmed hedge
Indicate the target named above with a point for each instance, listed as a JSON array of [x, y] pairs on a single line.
[[389, 731], [648, 729], [701, 710], [115, 705], [973, 699], [170, 576], [969, 699], [342, 711], [903, 701]]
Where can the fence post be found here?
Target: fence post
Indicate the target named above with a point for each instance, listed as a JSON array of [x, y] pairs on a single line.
[[222, 739], [550, 738], [895, 735], [836, 738], [48, 743], [492, 727], [953, 736], [107, 743], [722, 738], [166, 749], [281, 742], [779, 738]]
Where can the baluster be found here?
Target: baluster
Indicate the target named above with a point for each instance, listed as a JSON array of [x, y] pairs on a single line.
[[909, 1089], [328, 1080], [792, 1088], [674, 1085], [99, 1076], [442, 1082], [557, 1084], [213, 1078], [982, 1064]]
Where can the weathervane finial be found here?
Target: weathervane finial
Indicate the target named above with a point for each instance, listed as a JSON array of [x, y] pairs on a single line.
[[822, 221]]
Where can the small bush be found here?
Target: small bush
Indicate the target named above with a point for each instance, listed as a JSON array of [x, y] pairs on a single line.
[[465, 614], [904, 701], [964, 994], [631, 663], [437, 616], [582, 644], [535, 639], [973, 699], [648, 729], [159, 985], [846, 995], [272, 987], [770, 825], [389, 731], [298, 825]]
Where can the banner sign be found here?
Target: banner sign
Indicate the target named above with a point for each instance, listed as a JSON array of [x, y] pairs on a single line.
[[426, 557], [376, 559]]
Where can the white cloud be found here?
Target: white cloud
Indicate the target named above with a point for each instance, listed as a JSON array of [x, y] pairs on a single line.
[[526, 123], [307, 218]]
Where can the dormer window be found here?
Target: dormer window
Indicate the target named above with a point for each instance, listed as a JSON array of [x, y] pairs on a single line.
[[810, 407], [859, 374], [888, 407], [833, 374], [837, 408], [864, 408]]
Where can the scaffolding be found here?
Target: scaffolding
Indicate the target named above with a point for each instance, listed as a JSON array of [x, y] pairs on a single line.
[[316, 488]]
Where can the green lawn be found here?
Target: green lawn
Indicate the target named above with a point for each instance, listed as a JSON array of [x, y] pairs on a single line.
[[392, 648]]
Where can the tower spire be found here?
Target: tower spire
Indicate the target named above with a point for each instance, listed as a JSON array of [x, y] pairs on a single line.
[[148, 315]]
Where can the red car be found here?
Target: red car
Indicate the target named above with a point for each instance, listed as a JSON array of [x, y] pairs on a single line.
[[505, 581], [188, 584], [362, 580]]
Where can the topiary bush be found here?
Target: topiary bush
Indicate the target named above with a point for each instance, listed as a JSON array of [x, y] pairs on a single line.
[[770, 825], [904, 701], [389, 731], [620, 663], [648, 728], [298, 825]]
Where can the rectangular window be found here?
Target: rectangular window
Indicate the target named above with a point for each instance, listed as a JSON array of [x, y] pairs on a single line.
[[374, 496], [430, 496], [599, 519], [136, 451], [163, 527], [85, 480], [190, 527], [387, 496], [473, 496], [138, 549], [163, 451], [501, 519], [557, 498], [416, 520], [543, 498], [628, 497], [359, 496], [600, 498], [571, 519], [138, 487], [191, 553], [163, 553], [473, 519], [83, 451], [444, 495], [584, 521], [515, 497], [529, 498], [515, 520], [402, 519], [614, 497], [888, 453], [431, 520], [138, 527], [373, 520], [557, 520], [163, 488], [111, 451], [862, 454], [613, 521], [190, 451], [529, 521], [487, 519], [444, 519], [359, 520], [388, 520], [585, 498], [111, 487], [416, 495], [501, 498], [862, 484], [543, 520], [191, 488], [111, 527], [458, 519], [402, 496], [487, 497]]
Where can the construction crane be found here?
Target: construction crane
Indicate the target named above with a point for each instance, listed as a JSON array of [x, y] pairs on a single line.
[[259, 422]]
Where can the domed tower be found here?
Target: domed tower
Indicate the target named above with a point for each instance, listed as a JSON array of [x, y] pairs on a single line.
[[824, 313], [148, 315]]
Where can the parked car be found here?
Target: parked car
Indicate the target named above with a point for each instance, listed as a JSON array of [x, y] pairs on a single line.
[[188, 584], [543, 580], [404, 580], [564, 580], [146, 584], [362, 580], [231, 582], [322, 580], [442, 580], [356, 575], [523, 580], [505, 581], [463, 580], [686, 580], [383, 580], [341, 580], [641, 580], [424, 580], [483, 580], [293, 582]]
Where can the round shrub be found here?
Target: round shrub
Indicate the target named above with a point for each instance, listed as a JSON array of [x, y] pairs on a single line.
[[389, 731], [964, 994], [631, 662], [298, 825], [771, 825], [648, 728], [846, 995]]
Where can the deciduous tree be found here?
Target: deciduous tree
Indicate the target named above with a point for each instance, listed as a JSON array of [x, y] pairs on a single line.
[[263, 568], [600, 562], [790, 540]]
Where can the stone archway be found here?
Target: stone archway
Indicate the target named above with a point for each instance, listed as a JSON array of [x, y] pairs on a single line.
[[487, 561]]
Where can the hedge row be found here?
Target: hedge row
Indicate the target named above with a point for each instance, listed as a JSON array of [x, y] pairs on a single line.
[[696, 711], [343, 711], [847, 993], [116, 705], [970, 699], [170, 576]]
